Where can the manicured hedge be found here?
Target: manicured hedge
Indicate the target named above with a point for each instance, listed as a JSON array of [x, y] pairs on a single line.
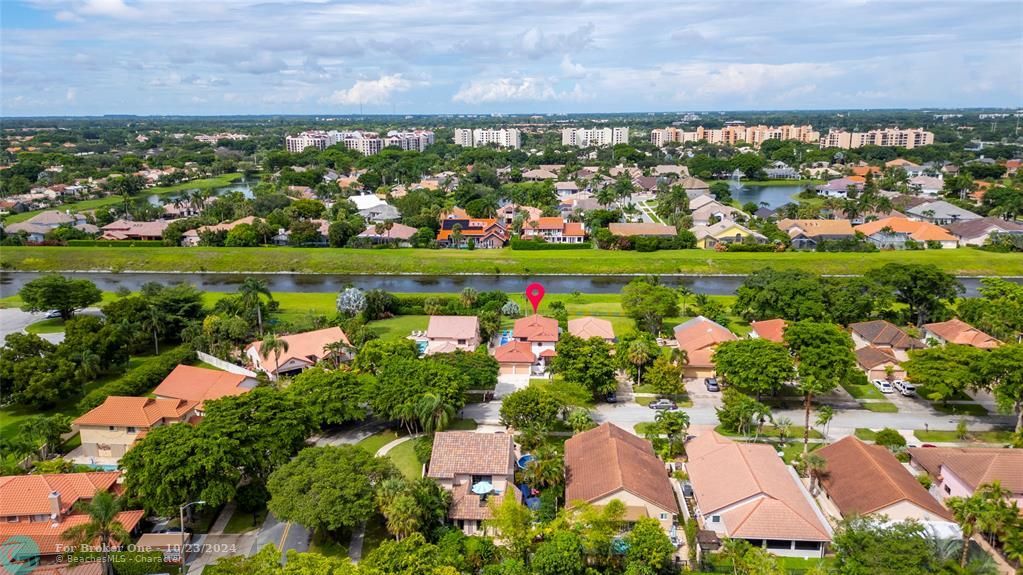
[[532, 245], [140, 380], [415, 304], [115, 243], [751, 248]]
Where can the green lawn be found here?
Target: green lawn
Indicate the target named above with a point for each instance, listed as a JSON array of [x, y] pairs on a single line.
[[324, 545], [374, 442], [867, 391], [568, 393], [794, 451], [55, 325], [217, 182], [241, 521], [924, 391], [960, 408], [864, 433], [462, 425], [938, 436], [880, 406], [399, 326], [964, 261], [404, 458], [795, 432]]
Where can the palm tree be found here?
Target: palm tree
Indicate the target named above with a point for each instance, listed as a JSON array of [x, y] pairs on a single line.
[[102, 524], [154, 321], [88, 365], [402, 516], [276, 345], [638, 354], [967, 511], [816, 467], [685, 293], [674, 424], [824, 416], [434, 412], [998, 515], [337, 350], [468, 297], [580, 420], [250, 290], [388, 490], [546, 469]]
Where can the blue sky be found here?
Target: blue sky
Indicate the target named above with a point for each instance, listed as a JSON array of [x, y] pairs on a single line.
[[83, 57]]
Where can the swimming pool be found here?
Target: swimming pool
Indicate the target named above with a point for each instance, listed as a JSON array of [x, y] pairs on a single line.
[[422, 346], [506, 336]]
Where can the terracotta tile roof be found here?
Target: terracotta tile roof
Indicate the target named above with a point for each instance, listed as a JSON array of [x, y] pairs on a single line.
[[47, 534], [770, 329], [306, 346], [882, 333], [587, 327], [200, 384], [756, 494], [136, 411], [467, 505], [975, 466], [548, 353], [701, 333], [573, 229], [608, 459], [814, 228], [397, 232], [863, 479], [135, 229], [536, 328], [471, 453], [453, 327], [959, 332], [919, 231], [870, 357], [545, 223], [224, 227], [641, 229], [515, 352], [29, 494]]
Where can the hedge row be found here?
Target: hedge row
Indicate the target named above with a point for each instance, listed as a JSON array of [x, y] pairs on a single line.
[[416, 304], [532, 245], [140, 380], [751, 248], [115, 243]]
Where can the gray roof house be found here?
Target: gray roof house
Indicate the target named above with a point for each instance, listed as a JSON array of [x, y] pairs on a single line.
[[381, 213], [941, 213], [976, 232]]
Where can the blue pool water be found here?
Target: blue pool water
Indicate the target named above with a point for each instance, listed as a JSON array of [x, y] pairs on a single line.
[[422, 346]]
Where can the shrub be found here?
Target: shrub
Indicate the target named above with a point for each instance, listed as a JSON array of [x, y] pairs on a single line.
[[423, 448], [751, 248], [925, 481], [890, 438], [535, 245], [140, 380]]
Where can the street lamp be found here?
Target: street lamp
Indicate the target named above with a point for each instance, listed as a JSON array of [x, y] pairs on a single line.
[[181, 511]]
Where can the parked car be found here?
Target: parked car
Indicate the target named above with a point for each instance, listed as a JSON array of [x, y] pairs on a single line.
[[53, 314], [611, 397], [712, 384], [904, 387], [663, 404], [883, 386]]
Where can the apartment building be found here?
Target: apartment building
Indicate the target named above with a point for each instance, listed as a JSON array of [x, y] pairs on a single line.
[[735, 133], [505, 137], [296, 144], [367, 143], [214, 138], [587, 137], [417, 140], [908, 138]]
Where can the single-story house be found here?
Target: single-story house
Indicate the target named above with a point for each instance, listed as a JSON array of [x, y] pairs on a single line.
[[587, 327], [960, 471], [642, 229], [565, 188], [723, 233], [447, 333], [475, 468], [398, 234], [380, 213], [304, 351], [538, 174], [110, 429], [191, 238], [885, 335], [36, 227], [876, 363], [699, 337], [745, 491], [839, 188], [957, 331], [366, 201], [806, 234], [769, 329], [976, 232], [861, 479], [705, 211], [941, 213], [199, 385], [126, 230], [895, 232], [608, 463], [927, 185]]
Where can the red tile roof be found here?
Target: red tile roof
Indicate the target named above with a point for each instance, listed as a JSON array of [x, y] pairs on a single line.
[[701, 333], [200, 384], [453, 327], [770, 329], [29, 494], [306, 346], [141, 412], [959, 332], [47, 535], [975, 466], [536, 328], [882, 333], [470, 453], [587, 327], [919, 231], [515, 352]]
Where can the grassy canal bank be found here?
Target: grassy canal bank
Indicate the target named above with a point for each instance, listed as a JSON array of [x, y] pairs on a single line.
[[963, 261]]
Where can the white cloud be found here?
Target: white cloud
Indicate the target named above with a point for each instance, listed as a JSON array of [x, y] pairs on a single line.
[[526, 89], [371, 91], [109, 8], [570, 69], [70, 95], [537, 44]]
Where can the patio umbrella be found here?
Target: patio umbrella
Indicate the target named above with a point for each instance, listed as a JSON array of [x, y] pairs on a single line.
[[482, 488]]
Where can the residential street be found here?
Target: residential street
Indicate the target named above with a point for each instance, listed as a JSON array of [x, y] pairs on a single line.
[[13, 320]]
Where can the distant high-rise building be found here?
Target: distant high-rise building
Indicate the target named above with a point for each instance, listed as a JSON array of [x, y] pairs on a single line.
[[587, 137], [907, 138], [735, 133], [505, 137], [367, 143]]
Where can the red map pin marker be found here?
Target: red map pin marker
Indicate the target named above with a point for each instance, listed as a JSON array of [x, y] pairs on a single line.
[[534, 293]]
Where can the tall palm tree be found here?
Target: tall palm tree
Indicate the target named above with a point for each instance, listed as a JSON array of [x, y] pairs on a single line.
[[546, 468], [276, 345], [250, 292], [824, 416], [88, 365], [434, 412], [674, 424], [685, 293], [102, 524], [998, 515], [154, 321], [638, 354], [816, 467], [337, 350], [967, 511], [403, 516]]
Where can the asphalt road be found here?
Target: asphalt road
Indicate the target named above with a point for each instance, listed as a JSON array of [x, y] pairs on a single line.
[[13, 320]]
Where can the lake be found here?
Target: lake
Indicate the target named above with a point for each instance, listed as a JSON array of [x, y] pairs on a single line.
[[242, 185], [773, 196]]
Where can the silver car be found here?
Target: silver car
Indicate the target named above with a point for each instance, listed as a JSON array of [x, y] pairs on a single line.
[[904, 387]]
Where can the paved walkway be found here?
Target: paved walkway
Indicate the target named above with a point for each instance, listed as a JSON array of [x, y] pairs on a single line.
[[223, 519], [387, 448]]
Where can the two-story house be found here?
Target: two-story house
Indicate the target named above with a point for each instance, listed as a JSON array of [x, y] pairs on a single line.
[[533, 339], [110, 429], [884, 335], [554, 231], [447, 333], [486, 233], [476, 468]]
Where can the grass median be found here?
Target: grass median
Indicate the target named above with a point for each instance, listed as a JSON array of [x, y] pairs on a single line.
[[963, 261]]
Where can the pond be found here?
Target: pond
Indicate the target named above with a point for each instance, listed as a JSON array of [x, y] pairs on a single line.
[[243, 185], [773, 196]]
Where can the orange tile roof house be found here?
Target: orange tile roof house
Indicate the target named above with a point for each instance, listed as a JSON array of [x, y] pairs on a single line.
[[516, 358], [875, 362], [447, 333], [863, 479], [608, 463], [125, 230], [959, 471], [191, 237], [587, 327], [304, 351], [554, 230], [110, 429], [745, 491], [462, 459], [959, 332], [42, 507], [769, 329], [904, 230], [485, 233], [885, 335], [699, 337], [199, 384]]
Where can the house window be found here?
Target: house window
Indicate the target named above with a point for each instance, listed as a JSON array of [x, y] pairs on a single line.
[[664, 515], [132, 430], [478, 478], [774, 544], [461, 342], [808, 545], [12, 518], [112, 428], [715, 519], [948, 489]]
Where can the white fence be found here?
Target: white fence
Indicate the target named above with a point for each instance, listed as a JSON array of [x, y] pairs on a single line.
[[224, 365]]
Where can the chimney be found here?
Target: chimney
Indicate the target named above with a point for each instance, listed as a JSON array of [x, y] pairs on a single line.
[[55, 506]]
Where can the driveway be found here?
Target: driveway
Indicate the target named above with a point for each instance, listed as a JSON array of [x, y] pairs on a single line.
[[508, 383]]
